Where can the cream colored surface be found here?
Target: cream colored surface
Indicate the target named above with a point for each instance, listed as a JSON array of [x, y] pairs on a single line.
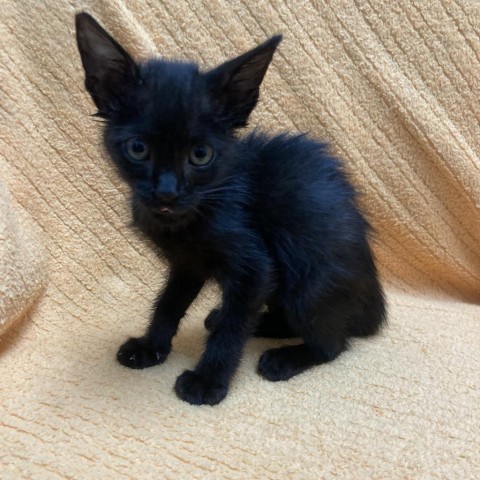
[[22, 262], [394, 86]]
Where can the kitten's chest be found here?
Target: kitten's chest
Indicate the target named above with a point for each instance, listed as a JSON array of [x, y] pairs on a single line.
[[195, 250], [209, 246]]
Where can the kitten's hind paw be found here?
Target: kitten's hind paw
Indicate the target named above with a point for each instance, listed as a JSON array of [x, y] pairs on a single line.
[[280, 364], [140, 353], [199, 390]]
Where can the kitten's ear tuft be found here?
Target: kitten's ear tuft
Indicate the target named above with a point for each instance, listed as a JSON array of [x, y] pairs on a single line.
[[235, 84], [109, 69]]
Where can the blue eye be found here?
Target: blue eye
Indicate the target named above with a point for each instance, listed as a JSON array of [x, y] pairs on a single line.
[[200, 155], [137, 149]]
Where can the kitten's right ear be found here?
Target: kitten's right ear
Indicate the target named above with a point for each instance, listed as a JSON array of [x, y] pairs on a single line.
[[109, 70]]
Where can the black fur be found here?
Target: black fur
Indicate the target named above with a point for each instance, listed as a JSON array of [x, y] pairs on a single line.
[[273, 220]]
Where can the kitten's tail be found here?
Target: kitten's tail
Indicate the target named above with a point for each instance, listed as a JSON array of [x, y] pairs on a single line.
[[373, 315]]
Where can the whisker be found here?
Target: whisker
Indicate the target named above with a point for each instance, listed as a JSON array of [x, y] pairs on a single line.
[[224, 189], [198, 211], [222, 181], [223, 196]]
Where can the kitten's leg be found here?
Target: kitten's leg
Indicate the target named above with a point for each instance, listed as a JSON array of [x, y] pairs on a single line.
[[324, 338], [172, 303], [208, 382], [271, 324]]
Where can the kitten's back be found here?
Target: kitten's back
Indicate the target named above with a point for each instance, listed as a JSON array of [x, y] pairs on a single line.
[[298, 185]]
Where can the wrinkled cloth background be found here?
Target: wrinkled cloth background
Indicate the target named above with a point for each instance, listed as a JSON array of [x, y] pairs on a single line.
[[394, 86]]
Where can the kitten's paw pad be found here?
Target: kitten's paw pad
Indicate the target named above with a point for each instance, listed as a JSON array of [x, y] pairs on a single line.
[[140, 353], [212, 319], [198, 390], [276, 365]]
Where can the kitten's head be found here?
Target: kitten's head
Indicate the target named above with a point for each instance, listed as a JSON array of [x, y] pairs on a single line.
[[169, 127]]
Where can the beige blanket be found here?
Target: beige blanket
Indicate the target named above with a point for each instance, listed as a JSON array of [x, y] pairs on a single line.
[[394, 85], [23, 266]]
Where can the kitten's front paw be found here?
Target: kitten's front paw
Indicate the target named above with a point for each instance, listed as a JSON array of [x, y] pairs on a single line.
[[198, 390], [140, 353]]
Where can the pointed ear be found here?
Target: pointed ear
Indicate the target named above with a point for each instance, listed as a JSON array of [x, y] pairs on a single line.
[[235, 85], [109, 69]]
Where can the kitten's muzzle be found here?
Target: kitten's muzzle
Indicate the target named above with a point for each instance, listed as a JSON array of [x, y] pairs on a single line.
[[168, 205], [165, 204], [165, 198], [161, 202]]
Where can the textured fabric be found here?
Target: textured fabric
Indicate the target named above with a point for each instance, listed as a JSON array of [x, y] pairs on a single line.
[[22, 263], [394, 87]]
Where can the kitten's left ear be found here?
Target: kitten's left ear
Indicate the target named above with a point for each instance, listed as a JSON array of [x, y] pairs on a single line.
[[235, 84], [109, 70]]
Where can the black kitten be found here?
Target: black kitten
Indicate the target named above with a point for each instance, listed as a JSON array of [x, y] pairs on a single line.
[[273, 220]]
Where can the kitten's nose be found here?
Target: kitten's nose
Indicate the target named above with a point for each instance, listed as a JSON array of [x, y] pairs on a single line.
[[166, 191]]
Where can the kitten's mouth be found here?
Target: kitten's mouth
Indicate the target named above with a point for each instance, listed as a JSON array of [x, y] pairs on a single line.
[[171, 214], [167, 211]]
